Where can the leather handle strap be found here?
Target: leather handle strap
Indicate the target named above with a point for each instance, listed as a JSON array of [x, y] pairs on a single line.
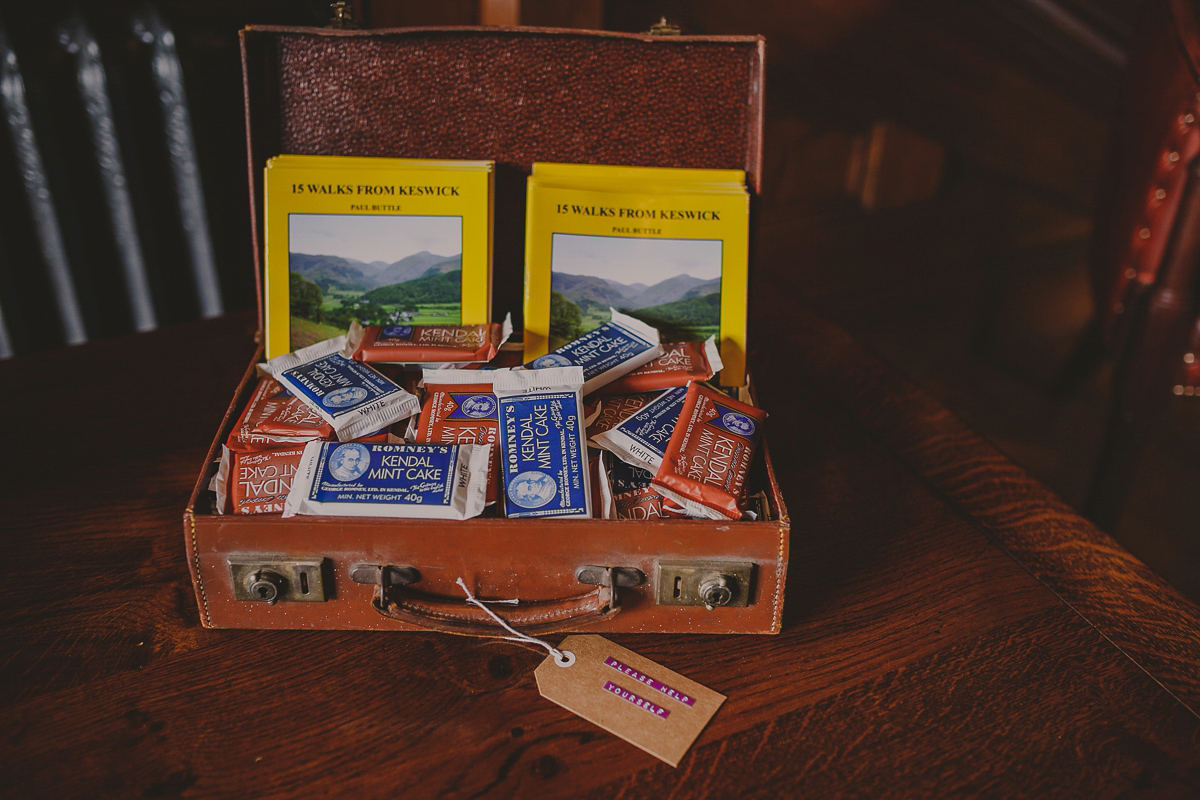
[[454, 615]]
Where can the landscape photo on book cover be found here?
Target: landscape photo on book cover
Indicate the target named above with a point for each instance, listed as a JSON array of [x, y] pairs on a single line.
[[378, 269], [672, 284]]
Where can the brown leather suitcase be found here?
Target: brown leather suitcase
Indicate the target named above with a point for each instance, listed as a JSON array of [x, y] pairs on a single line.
[[515, 95]]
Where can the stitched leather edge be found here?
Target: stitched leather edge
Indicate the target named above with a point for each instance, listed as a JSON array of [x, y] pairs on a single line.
[[775, 613], [207, 618]]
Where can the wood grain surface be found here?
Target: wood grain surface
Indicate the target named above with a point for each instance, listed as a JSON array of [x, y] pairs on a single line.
[[951, 628]]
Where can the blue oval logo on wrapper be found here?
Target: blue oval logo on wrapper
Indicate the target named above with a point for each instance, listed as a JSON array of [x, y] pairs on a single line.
[[340, 398], [532, 489], [349, 462], [478, 406], [551, 360], [738, 423]]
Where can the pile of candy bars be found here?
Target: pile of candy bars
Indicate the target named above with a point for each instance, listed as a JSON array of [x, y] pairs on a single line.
[[425, 422]]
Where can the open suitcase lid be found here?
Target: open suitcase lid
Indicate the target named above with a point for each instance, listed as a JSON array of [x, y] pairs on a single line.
[[513, 95]]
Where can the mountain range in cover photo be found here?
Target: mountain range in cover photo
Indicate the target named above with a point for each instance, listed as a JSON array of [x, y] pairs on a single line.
[[380, 270], [672, 284]]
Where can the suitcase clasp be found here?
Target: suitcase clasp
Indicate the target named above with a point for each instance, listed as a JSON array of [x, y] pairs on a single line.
[[384, 574], [610, 576]]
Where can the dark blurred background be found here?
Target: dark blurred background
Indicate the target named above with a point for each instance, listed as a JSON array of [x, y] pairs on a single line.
[[932, 173]]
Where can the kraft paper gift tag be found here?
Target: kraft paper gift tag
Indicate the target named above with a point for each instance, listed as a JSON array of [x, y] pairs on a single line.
[[640, 701]]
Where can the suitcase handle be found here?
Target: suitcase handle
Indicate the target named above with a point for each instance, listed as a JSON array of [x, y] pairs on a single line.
[[455, 615]]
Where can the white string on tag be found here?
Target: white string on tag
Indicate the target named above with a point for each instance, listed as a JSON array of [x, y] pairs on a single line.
[[563, 658]]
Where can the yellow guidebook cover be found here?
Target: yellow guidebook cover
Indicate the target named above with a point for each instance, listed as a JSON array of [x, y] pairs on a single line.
[[668, 246], [385, 241]]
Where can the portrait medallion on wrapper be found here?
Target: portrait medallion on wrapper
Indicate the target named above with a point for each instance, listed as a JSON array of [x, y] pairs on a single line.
[[532, 489], [396, 332], [351, 395], [738, 423], [551, 360], [478, 406], [349, 462]]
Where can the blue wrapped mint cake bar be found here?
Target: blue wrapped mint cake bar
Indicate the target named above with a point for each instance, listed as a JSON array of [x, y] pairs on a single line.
[[352, 397], [543, 452], [614, 349], [641, 439], [427, 481]]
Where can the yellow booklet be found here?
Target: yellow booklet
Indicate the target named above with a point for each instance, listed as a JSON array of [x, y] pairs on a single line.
[[385, 241], [667, 246]]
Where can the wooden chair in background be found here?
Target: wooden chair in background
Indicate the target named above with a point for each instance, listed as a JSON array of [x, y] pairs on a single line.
[[1147, 246]]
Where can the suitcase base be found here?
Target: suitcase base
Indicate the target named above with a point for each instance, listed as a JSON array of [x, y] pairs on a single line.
[[677, 575]]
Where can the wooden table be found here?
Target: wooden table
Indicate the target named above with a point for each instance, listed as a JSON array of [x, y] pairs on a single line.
[[951, 627]]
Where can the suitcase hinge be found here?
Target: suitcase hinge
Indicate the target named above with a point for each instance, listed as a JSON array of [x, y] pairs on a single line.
[[342, 18], [664, 28]]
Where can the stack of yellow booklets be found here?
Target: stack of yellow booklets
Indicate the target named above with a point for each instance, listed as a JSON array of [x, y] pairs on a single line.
[[385, 241], [668, 246]]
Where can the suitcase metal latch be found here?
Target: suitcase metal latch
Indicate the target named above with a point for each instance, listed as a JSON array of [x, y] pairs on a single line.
[[704, 583], [278, 579]]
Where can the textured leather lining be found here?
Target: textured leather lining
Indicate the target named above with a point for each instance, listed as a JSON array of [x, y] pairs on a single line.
[[517, 97]]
